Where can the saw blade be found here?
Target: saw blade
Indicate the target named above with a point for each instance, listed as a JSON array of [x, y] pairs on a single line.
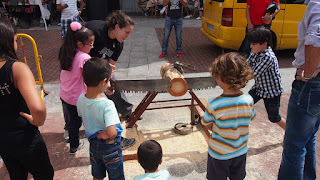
[[161, 85]]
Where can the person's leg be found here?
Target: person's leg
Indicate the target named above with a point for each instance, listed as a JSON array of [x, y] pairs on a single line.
[[178, 30], [167, 31], [16, 170], [303, 118], [74, 124], [120, 100], [238, 168], [254, 96], [245, 45], [66, 120], [272, 106], [37, 161], [217, 169], [113, 161]]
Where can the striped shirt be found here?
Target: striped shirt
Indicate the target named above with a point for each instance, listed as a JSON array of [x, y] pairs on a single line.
[[267, 75], [230, 118]]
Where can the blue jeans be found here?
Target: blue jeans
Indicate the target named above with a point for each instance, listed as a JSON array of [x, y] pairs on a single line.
[[177, 23], [106, 157], [303, 118], [245, 48]]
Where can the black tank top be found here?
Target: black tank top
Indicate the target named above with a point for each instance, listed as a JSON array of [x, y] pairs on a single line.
[[15, 131]]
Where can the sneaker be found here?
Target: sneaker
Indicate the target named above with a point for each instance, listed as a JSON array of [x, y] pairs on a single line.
[[180, 55], [66, 135], [126, 143], [188, 16], [59, 24], [162, 55], [198, 18], [74, 150]]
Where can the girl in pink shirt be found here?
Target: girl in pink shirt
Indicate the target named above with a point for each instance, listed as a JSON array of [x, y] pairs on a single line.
[[74, 53]]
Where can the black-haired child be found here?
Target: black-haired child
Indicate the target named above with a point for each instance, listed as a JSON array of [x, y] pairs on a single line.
[[264, 65], [74, 53], [101, 121], [150, 157]]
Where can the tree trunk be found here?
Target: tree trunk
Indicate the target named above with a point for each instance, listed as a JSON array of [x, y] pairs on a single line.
[[177, 86]]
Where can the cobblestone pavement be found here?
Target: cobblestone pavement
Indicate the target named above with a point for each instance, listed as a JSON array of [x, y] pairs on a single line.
[[184, 156]]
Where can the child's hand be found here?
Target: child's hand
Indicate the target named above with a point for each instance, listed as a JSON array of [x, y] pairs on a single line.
[[108, 92], [102, 134]]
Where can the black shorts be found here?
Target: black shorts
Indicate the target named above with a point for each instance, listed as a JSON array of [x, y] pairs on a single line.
[[234, 168]]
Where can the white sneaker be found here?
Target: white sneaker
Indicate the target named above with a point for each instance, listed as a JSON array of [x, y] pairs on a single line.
[[198, 18], [188, 16], [162, 10], [66, 135]]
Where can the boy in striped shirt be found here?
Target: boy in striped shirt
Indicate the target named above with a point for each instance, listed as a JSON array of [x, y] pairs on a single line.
[[228, 117], [267, 77]]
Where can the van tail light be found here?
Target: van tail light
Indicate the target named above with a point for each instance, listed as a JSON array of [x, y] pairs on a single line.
[[227, 16]]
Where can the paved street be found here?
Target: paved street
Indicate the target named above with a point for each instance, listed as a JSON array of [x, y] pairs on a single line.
[[184, 156]]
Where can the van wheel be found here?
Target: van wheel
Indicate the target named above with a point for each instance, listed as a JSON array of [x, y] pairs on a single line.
[[274, 41]]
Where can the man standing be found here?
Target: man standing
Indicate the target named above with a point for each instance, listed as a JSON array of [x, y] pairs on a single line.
[[174, 18], [69, 13], [303, 116], [257, 15]]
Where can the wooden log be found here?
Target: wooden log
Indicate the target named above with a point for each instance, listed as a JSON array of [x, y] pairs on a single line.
[[177, 85]]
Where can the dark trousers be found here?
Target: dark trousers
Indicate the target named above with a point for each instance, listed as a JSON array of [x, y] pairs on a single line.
[[73, 122], [33, 159], [120, 100]]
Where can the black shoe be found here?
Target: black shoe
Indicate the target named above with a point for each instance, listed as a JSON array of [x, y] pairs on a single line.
[[74, 150], [126, 143], [128, 114]]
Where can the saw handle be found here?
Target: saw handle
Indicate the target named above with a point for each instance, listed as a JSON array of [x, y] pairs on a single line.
[[178, 65]]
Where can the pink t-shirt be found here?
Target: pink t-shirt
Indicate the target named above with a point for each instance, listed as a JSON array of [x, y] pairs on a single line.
[[71, 82]]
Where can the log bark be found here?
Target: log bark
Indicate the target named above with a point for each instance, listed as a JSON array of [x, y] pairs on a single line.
[[177, 85]]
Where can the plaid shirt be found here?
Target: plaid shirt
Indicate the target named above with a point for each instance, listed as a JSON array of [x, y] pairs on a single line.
[[266, 71]]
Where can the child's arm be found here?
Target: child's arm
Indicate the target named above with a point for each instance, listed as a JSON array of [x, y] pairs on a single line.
[[110, 133]]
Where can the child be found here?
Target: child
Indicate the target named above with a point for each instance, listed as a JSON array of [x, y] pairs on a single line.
[[228, 116], [101, 121], [74, 53], [266, 73], [150, 157]]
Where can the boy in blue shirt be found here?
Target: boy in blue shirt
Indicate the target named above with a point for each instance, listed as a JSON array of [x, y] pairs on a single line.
[[150, 157], [267, 77], [101, 121]]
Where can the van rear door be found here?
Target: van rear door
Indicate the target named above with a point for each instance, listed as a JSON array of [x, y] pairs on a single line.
[[212, 15]]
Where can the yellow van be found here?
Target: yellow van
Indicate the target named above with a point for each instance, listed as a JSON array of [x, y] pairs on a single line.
[[224, 23]]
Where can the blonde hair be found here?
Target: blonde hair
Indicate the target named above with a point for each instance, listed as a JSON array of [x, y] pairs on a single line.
[[233, 69]]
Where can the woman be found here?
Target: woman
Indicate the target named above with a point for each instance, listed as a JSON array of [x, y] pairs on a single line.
[[108, 44], [22, 110]]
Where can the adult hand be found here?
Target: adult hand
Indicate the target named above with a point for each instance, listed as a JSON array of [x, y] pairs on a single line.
[[250, 27], [108, 92], [267, 18], [113, 68], [28, 117], [299, 74]]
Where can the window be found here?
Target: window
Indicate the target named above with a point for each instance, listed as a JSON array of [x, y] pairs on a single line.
[[242, 1], [295, 1]]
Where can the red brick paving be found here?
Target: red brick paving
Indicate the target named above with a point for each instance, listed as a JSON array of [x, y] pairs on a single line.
[[200, 52]]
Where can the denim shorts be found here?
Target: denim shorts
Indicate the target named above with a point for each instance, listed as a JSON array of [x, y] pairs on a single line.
[[272, 105], [106, 157]]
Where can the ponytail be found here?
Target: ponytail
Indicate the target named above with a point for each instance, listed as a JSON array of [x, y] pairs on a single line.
[[75, 33], [118, 17]]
